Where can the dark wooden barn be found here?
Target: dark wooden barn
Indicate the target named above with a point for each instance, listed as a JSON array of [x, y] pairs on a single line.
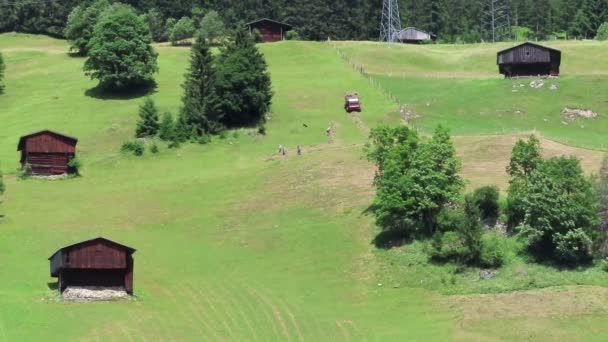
[[93, 263], [529, 59], [412, 35], [46, 153], [271, 30]]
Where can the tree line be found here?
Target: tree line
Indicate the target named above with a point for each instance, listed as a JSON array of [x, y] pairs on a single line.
[[556, 213], [451, 20]]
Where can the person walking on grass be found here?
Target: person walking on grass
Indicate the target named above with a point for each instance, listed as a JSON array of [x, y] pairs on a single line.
[[299, 150]]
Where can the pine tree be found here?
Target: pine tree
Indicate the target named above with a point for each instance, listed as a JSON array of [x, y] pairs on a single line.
[[590, 16], [194, 113], [148, 125], [167, 126], [242, 88]]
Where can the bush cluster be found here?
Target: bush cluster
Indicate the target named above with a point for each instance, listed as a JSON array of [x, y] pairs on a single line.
[[135, 147]]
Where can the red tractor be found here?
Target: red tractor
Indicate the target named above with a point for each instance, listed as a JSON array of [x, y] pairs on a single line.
[[351, 102]]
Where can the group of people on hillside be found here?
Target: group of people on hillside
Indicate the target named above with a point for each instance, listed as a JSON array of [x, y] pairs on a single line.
[[283, 151]]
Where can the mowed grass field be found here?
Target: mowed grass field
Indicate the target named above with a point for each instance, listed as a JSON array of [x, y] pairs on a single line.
[[459, 86], [235, 242]]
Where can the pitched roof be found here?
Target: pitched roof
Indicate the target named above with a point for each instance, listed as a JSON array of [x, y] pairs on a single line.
[[129, 249], [270, 20], [22, 139], [528, 43]]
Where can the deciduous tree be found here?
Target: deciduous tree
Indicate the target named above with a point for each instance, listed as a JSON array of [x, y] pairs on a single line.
[[81, 23], [560, 211], [212, 26], [183, 29], [120, 54]]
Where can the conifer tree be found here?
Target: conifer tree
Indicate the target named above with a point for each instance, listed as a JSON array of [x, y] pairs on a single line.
[[165, 131], [148, 125], [194, 114], [242, 87]]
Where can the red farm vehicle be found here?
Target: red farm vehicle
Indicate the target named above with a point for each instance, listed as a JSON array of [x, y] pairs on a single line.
[[351, 102]]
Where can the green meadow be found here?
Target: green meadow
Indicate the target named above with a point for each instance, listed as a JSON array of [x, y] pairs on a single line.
[[235, 242], [459, 86]]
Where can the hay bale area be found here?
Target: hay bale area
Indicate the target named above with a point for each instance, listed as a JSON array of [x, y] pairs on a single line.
[[90, 294]]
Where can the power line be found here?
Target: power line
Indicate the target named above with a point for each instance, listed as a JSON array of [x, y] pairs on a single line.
[[495, 20], [390, 23]]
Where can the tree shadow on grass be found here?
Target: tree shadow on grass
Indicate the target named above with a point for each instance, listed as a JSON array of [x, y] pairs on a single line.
[[391, 239], [104, 93]]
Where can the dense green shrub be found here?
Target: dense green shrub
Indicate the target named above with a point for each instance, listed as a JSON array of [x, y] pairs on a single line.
[[494, 250], [136, 147], [449, 219], [292, 35], [602, 32], [604, 264], [121, 35], [448, 246], [75, 166], [154, 148], [572, 247], [486, 200]]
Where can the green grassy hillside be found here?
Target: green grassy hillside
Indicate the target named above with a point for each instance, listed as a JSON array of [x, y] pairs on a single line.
[[459, 86], [233, 241]]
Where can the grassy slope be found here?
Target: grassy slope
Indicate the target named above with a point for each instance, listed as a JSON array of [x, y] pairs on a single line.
[[459, 87], [232, 241]]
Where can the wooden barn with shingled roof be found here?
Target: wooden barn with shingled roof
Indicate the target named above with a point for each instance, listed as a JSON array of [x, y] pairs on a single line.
[[46, 153]]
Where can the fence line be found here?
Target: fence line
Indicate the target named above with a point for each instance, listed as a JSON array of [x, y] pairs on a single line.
[[376, 84]]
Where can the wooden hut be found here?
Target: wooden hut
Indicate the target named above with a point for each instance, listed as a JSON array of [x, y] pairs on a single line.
[[93, 263], [46, 153], [529, 59], [412, 35], [271, 30]]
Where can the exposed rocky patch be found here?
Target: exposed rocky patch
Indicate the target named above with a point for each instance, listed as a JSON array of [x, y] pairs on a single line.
[[89, 294], [487, 274], [575, 113]]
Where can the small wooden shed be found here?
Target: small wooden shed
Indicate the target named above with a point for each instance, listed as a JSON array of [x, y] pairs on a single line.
[[96, 263], [529, 59], [271, 30], [46, 153], [412, 35]]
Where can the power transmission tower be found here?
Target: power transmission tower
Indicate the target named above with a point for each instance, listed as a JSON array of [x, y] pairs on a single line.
[[495, 20], [390, 24]]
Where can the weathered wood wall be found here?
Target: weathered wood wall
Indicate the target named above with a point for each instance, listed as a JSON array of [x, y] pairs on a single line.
[[49, 143], [96, 255]]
